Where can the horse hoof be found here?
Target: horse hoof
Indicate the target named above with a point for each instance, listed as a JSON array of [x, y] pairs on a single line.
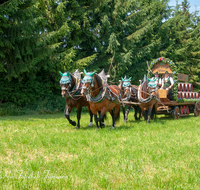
[[125, 120], [113, 127], [90, 124], [77, 127], [73, 123], [102, 125]]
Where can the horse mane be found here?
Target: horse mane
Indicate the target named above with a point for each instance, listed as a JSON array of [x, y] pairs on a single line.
[[134, 91], [144, 89], [99, 81], [73, 81], [77, 74]]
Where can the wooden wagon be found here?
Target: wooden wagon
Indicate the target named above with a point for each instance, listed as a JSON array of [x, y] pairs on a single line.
[[185, 100]]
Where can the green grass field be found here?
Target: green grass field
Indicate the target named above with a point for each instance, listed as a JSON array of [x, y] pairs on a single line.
[[45, 152]]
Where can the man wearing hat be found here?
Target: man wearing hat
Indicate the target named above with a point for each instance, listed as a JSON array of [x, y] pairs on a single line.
[[158, 80], [168, 83]]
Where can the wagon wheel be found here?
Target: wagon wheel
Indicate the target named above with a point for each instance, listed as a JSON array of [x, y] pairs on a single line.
[[196, 109], [176, 112]]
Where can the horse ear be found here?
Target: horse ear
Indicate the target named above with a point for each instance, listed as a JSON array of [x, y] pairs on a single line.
[[60, 73], [148, 79], [130, 78], [84, 71], [68, 74], [122, 79], [93, 73]]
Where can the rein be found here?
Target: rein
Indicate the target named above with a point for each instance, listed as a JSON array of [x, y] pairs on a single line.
[[74, 92]]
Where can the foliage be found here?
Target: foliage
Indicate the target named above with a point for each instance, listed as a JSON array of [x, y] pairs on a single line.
[[180, 38], [40, 38], [46, 105], [182, 100]]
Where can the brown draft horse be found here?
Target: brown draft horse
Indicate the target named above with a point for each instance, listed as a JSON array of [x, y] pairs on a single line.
[[101, 97], [148, 97], [70, 89], [131, 95]]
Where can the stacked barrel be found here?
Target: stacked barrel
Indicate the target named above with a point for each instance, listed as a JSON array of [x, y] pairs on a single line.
[[185, 90]]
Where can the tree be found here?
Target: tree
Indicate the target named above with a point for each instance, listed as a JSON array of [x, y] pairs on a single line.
[[180, 39]]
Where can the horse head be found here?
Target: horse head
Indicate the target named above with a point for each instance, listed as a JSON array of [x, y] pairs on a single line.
[[66, 82], [151, 86], [88, 82], [126, 85]]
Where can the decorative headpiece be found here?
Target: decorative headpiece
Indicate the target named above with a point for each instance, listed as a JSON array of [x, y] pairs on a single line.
[[151, 82], [89, 77], [126, 82], [66, 77]]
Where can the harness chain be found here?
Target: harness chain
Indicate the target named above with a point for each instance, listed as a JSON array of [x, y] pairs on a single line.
[[102, 95]]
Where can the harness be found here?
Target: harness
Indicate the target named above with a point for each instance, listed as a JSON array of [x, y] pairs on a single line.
[[127, 98], [106, 92], [147, 99]]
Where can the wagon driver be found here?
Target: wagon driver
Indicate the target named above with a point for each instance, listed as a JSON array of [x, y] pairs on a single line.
[[168, 83], [158, 80]]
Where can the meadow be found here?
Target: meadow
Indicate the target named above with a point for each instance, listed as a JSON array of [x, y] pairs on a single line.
[[45, 152]]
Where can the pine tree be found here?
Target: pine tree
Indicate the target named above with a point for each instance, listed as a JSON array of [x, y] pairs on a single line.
[[127, 30], [28, 47], [180, 38]]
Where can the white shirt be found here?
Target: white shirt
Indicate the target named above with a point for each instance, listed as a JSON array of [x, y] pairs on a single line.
[[167, 78], [158, 81]]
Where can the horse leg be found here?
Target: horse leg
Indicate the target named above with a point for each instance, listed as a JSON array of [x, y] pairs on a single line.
[[145, 113], [136, 111], [156, 107], [91, 116], [101, 115], [102, 124], [113, 118], [116, 114], [124, 114], [78, 117], [140, 112], [68, 110], [149, 113], [96, 121], [127, 112]]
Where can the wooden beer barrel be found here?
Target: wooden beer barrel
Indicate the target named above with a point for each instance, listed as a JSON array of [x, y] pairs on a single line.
[[190, 87], [187, 87], [181, 109], [181, 95], [184, 110], [184, 87], [187, 108], [186, 95], [195, 95], [189, 95], [180, 87]]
